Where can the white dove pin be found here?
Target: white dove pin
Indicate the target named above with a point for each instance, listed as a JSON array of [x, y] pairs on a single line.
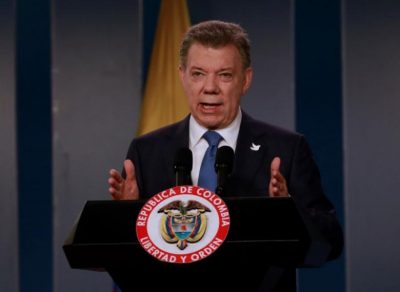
[[255, 147]]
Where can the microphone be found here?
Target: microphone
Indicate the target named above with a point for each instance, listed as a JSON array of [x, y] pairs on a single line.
[[183, 162], [223, 166]]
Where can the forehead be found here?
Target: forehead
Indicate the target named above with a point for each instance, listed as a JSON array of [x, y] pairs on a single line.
[[208, 57]]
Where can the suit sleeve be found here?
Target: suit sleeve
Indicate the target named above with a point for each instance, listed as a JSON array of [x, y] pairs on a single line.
[[305, 187]]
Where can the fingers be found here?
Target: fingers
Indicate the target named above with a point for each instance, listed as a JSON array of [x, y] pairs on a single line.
[[115, 175], [124, 189], [115, 180], [277, 184], [130, 170], [275, 165], [115, 183]]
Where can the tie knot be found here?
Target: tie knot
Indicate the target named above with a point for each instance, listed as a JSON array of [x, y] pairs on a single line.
[[212, 137]]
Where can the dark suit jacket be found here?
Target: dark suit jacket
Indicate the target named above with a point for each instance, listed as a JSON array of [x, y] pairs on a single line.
[[153, 156]]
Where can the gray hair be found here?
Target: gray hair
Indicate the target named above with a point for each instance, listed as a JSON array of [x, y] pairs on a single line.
[[217, 34]]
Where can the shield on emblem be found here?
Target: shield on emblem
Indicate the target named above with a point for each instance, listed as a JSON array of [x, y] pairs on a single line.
[[183, 226], [183, 222]]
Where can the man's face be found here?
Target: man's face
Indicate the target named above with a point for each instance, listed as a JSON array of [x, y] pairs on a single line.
[[214, 81]]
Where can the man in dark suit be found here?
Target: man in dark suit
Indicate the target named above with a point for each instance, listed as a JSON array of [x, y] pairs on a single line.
[[216, 72]]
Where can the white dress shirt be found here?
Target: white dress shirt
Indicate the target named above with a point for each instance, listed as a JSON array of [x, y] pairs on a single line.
[[199, 145]]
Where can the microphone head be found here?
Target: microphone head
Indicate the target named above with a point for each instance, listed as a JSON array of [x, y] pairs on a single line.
[[183, 160], [224, 159]]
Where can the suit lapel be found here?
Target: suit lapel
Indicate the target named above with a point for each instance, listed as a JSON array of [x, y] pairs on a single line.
[[250, 152], [177, 138]]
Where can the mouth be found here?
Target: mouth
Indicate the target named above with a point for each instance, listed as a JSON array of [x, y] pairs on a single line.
[[209, 107]]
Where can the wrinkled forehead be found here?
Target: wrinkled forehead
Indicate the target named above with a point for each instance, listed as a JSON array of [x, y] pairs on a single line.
[[200, 55]]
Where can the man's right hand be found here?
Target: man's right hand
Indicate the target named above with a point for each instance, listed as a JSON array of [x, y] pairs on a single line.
[[124, 189]]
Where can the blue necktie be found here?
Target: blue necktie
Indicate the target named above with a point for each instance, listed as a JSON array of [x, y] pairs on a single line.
[[208, 176]]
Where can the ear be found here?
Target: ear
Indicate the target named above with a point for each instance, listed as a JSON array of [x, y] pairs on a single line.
[[248, 77]]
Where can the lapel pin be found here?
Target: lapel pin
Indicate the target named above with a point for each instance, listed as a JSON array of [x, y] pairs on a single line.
[[255, 147]]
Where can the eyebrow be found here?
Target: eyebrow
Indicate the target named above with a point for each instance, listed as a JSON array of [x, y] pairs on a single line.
[[220, 70], [196, 68]]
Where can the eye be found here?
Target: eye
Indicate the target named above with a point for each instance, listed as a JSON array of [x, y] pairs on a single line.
[[226, 76], [197, 74]]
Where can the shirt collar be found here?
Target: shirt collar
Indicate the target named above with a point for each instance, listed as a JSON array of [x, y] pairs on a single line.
[[229, 133]]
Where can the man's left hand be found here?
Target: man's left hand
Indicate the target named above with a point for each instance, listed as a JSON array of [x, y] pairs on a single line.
[[277, 184]]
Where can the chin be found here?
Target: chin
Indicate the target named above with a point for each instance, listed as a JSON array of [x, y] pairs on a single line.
[[212, 125], [209, 121]]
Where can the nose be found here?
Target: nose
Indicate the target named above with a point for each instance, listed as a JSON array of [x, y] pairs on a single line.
[[211, 85]]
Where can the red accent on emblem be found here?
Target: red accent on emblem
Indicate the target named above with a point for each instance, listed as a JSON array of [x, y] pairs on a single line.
[[148, 230]]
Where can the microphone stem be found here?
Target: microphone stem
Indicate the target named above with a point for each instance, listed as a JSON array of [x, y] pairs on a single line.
[[222, 176]]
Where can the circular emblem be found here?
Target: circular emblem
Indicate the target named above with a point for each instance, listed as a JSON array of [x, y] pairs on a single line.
[[183, 224]]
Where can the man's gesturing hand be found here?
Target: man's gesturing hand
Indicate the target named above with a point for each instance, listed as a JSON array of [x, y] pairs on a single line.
[[124, 189], [277, 184]]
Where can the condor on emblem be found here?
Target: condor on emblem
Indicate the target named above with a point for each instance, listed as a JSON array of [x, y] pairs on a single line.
[[183, 224]]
